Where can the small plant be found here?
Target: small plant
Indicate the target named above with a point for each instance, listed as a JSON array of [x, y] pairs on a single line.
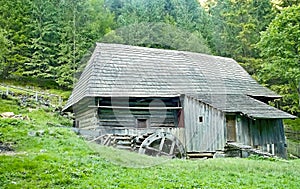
[[267, 158]]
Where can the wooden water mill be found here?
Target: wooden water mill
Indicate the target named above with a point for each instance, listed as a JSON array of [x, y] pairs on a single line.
[[153, 144]]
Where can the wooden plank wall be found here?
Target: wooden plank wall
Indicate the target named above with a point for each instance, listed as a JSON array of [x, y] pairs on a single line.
[[243, 130], [95, 121], [85, 116], [127, 118], [114, 117], [206, 136], [262, 133]]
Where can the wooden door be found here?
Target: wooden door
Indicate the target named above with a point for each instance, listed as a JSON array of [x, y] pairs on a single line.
[[231, 128]]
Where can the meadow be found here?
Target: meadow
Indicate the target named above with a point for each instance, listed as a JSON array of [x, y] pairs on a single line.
[[46, 155]]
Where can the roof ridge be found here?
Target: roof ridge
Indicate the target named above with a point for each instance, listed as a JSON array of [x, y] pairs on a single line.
[[160, 49]]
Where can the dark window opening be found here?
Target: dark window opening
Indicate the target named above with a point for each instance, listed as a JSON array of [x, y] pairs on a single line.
[[200, 119], [142, 123], [76, 123]]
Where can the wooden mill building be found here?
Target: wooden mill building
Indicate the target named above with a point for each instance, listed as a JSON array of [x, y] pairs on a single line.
[[203, 101]]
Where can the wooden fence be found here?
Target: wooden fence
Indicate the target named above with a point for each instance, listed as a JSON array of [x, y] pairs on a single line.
[[293, 142], [293, 148], [294, 135], [26, 93]]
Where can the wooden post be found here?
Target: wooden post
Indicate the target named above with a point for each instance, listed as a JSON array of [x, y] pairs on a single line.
[[273, 149], [7, 91], [36, 96]]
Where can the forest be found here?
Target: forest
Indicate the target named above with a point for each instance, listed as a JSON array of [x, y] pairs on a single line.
[[49, 41]]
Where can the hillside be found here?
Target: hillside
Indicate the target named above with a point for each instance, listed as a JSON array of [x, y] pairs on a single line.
[[39, 153]]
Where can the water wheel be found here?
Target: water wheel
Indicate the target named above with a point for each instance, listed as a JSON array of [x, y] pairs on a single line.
[[162, 144]]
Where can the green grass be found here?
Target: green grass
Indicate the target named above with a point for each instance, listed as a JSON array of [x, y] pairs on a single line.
[[10, 106], [55, 157]]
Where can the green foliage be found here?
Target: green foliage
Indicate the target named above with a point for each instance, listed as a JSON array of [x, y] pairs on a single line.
[[10, 106], [281, 68], [83, 23], [257, 157], [158, 35], [293, 124], [46, 39], [236, 26], [172, 24], [4, 50], [36, 85], [286, 3], [13, 21]]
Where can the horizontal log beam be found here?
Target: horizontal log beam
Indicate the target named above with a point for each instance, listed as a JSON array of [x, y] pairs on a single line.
[[137, 108]]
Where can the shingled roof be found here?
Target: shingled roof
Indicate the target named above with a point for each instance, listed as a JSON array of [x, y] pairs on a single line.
[[246, 105], [122, 70]]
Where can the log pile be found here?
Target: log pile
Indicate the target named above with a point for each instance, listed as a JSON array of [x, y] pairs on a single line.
[[239, 150]]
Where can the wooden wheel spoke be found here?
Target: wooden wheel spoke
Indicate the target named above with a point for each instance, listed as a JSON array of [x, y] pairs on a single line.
[[156, 150], [172, 147], [151, 148], [162, 142]]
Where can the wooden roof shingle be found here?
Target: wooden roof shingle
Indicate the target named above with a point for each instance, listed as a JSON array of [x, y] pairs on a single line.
[[236, 103]]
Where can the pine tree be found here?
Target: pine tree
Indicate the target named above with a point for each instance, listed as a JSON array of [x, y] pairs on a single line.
[[13, 20]]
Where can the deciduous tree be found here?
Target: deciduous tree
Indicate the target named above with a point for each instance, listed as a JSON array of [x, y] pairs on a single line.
[[280, 46]]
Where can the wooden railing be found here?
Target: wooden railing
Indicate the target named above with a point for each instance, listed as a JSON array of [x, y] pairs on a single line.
[[293, 142], [293, 147], [27, 93]]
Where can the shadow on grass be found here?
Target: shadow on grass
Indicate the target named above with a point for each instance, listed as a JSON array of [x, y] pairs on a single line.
[[126, 158]]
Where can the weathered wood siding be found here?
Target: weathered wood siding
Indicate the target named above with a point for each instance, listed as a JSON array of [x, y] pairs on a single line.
[[85, 114], [266, 134], [243, 130], [208, 135], [128, 118], [114, 116], [95, 120]]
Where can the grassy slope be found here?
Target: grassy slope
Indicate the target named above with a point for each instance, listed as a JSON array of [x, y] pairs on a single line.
[[59, 158]]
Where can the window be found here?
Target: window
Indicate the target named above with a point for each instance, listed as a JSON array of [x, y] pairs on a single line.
[[200, 119], [76, 123], [142, 123]]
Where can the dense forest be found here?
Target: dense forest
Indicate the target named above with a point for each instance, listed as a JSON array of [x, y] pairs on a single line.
[[50, 40]]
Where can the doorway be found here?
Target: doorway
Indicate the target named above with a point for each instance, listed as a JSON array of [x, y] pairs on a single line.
[[231, 128]]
